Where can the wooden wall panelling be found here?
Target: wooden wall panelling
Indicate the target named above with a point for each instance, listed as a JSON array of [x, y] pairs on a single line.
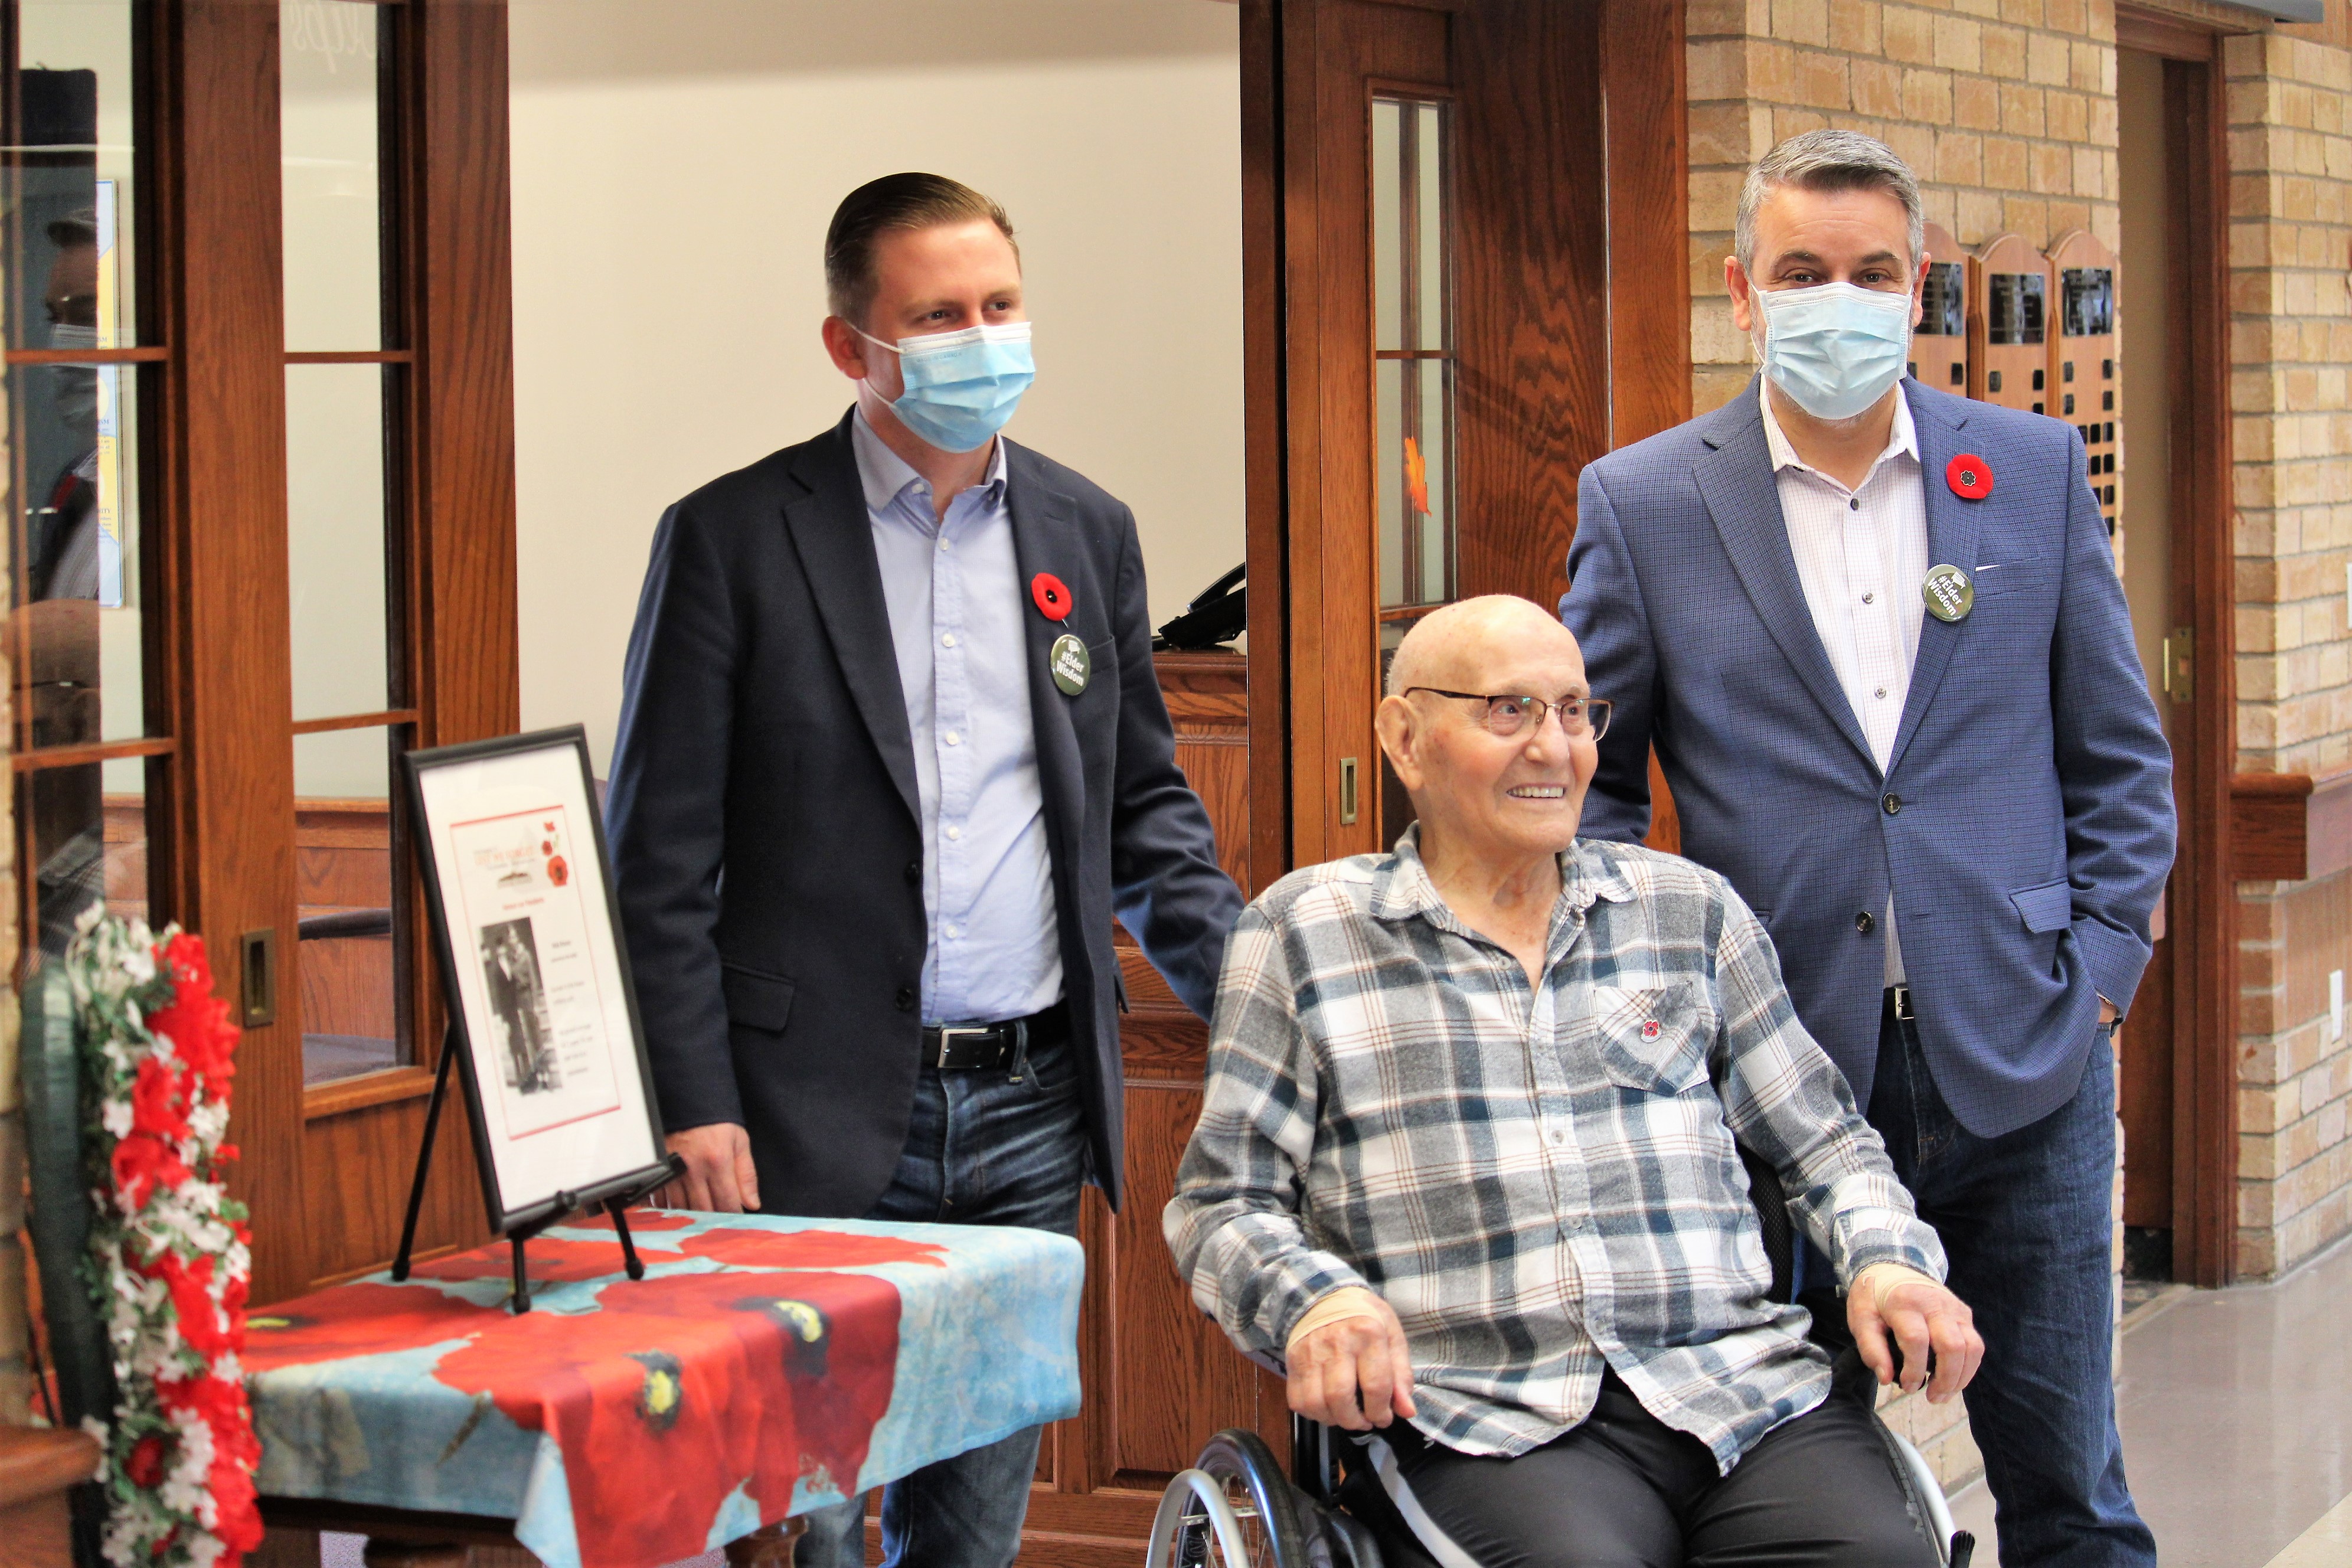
[[2287, 827], [1643, 84], [1531, 296], [2201, 906], [225, 505]]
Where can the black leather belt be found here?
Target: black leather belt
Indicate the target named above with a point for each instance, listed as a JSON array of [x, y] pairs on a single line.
[[962, 1047], [1899, 999]]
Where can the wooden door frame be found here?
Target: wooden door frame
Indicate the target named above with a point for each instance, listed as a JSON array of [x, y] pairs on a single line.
[[1646, 128], [213, 244], [2201, 913]]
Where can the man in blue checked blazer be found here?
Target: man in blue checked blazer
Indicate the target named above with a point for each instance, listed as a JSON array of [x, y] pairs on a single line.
[[1874, 634]]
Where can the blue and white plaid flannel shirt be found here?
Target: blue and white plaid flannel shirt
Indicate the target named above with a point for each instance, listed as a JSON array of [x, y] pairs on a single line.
[[1533, 1178]]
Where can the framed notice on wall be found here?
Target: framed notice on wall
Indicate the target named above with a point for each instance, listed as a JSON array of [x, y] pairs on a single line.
[[543, 1019]]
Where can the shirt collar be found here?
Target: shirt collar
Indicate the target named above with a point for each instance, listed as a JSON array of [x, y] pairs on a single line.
[[884, 475], [1901, 438], [1404, 890]]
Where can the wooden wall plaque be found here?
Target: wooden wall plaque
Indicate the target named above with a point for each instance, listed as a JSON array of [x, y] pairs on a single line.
[[1939, 349], [2009, 325], [2083, 376]]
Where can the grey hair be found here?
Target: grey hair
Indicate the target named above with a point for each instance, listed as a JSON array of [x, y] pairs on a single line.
[[1829, 161]]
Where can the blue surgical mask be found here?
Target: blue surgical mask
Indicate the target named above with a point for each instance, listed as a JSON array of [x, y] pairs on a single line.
[[1834, 347], [962, 386]]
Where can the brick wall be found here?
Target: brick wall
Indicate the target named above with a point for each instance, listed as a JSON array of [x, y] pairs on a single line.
[[2006, 110], [2291, 398]]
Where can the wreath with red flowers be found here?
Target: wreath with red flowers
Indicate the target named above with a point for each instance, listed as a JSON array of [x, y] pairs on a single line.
[[170, 1260]]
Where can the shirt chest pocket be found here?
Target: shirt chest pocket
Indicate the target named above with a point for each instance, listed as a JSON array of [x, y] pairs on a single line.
[[1651, 1041]]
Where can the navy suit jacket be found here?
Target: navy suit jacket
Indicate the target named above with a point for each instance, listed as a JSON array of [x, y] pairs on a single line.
[[2025, 822], [765, 831]]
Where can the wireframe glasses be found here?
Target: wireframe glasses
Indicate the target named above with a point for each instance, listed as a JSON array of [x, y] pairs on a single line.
[[1507, 716]]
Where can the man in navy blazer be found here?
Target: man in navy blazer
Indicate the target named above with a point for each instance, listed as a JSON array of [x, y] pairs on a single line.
[[891, 756], [1875, 635]]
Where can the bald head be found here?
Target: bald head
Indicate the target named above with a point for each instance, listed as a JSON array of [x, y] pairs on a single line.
[[1467, 647], [1506, 799]]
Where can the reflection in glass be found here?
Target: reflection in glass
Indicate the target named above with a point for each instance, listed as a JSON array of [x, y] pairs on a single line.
[[348, 964], [67, 157], [336, 543], [67, 185], [84, 832], [331, 126], [1413, 344]]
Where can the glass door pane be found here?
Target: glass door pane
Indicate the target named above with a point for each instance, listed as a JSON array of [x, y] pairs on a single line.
[[69, 209], [346, 411]]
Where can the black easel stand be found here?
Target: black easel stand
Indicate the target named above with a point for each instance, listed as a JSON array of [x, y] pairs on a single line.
[[617, 1203]]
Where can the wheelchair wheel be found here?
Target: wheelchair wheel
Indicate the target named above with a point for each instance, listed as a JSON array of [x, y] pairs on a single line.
[[1235, 1509]]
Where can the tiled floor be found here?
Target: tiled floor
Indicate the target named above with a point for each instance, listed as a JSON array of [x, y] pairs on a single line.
[[2236, 1409]]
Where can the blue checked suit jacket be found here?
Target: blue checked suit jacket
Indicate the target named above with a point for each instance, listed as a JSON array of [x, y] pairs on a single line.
[[2035, 826]]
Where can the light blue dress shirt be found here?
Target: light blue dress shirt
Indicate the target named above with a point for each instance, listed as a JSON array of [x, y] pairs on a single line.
[[956, 600]]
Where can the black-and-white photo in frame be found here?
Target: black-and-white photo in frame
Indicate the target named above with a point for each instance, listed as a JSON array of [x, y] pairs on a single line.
[[518, 890]]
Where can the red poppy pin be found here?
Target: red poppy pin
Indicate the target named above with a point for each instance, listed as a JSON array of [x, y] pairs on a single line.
[[1969, 476], [1052, 599], [1650, 1029]]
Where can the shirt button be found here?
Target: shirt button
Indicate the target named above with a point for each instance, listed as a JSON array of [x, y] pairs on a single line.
[[947, 639], [1558, 1137], [952, 739], [1870, 598], [1881, 692], [944, 544], [1854, 505], [955, 930], [1864, 923], [955, 832]]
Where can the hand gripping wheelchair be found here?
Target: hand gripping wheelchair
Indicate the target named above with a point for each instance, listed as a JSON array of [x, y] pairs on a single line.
[[1236, 1508]]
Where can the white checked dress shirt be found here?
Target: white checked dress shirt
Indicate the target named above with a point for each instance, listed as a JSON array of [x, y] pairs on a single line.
[[955, 596], [1862, 556]]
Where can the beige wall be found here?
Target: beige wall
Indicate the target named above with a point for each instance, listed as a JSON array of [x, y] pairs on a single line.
[[675, 166]]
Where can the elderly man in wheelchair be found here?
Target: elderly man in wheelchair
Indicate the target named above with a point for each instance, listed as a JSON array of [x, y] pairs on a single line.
[[1474, 1169]]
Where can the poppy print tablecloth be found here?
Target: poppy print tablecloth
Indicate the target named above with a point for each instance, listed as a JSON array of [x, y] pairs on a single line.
[[764, 1366]]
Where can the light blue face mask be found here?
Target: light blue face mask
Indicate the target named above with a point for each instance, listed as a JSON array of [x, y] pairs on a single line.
[[962, 386], [1835, 347]]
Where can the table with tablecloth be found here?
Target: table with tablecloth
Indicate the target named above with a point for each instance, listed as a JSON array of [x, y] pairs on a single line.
[[764, 1366]]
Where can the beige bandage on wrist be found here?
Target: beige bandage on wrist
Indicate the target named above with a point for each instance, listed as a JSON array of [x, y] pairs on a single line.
[[1881, 1277], [1347, 1302]]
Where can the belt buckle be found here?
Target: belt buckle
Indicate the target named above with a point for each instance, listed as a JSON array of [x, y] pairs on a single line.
[[1902, 1004], [948, 1037]]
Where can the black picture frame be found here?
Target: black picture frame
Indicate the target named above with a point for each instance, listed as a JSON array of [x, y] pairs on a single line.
[[518, 1215]]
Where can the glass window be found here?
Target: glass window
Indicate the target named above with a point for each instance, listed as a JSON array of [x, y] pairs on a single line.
[[331, 128], [350, 964], [1414, 354], [71, 180], [338, 516], [68, 198]]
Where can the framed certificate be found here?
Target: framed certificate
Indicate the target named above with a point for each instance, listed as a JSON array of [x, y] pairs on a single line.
[[543, 1018]]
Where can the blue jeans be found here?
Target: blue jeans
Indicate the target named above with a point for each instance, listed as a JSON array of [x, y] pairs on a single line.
[[982, 1149], [2027, 1222]]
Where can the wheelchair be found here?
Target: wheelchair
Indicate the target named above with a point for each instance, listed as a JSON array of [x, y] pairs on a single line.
[[1236, 1508]]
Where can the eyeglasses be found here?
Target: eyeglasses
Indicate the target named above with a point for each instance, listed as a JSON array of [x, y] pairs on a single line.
[[1507, 716]]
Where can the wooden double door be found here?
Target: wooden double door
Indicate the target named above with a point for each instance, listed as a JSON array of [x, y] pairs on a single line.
[[264, 540], [1465, 246]]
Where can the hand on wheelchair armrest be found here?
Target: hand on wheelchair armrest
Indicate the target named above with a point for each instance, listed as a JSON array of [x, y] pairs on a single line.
[[1932, 1330], [1348, 1366]]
